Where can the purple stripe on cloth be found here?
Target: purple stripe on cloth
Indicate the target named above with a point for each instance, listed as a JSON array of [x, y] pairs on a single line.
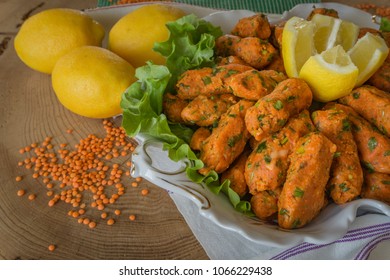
[[371, 231], [367, 228], [311, 247], [364, 234], [365, 252], [352, 235]]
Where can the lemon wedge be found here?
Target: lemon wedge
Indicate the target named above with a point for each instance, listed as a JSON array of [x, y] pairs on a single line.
[[368, 54], [297, 44], [331, 31], [330, 75], [347, 35]]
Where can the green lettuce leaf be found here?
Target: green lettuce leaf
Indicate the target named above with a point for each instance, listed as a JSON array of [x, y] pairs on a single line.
[[142, 101], [190, 46], [385, 24]]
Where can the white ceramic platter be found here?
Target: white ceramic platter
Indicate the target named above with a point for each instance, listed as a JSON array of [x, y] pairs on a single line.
[[153, 164]]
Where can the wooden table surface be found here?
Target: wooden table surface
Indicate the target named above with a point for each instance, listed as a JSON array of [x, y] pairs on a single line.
[[29, 113]]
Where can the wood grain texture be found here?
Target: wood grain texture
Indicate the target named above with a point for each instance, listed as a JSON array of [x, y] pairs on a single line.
[[29, 112]]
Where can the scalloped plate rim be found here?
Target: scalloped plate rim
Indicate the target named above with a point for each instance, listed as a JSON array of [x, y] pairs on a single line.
[[331, 224]]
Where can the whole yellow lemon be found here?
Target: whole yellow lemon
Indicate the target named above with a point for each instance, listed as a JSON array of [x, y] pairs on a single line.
[[48, 35], [90, 80], [133, 36]]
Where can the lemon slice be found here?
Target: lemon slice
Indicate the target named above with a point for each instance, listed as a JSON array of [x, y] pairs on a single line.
[[331, 31], [347, 35], [326, 32], [330, 75], [368, 54], [297, 44]]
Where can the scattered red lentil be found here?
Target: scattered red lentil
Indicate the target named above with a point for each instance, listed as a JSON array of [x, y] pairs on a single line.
[[21, 192], [100, 207], [92, 225], [85, 174], [51, 247], [132, 217], [32, 196], [145, 192]]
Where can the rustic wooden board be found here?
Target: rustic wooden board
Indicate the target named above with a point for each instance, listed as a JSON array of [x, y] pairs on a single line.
[[30, 112]]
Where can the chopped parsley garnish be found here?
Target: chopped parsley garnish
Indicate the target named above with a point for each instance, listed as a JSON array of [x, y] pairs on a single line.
[[267, 159], [291, 98], [369, 166], [260, 117], [284, 141], [346, 125], [298, 192], [231, 72], [372, 143], [283, 211], [261, 147], [281, 122], [343, 187], [206, 80], [356, 95], [300, 150], [296, 223], [232, 141], [278, 105]]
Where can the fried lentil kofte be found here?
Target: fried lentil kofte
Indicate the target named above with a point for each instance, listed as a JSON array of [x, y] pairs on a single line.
[[258, 129]]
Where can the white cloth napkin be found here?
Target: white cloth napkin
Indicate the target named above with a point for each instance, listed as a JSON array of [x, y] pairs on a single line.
[[367, 238]]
